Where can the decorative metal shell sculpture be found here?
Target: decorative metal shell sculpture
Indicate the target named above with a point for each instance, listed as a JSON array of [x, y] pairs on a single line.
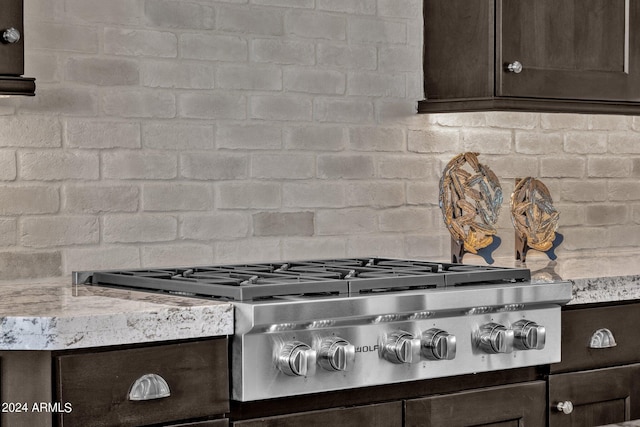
[[470, 201], [533, 215]]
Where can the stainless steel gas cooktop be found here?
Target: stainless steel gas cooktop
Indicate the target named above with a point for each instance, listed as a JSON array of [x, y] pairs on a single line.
[[319, 325]]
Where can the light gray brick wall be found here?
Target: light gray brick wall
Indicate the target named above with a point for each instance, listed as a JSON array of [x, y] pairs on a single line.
[[167, 132]]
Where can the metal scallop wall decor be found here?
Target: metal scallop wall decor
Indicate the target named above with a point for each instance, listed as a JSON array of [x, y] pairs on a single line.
[[533, 215], [470, 201]]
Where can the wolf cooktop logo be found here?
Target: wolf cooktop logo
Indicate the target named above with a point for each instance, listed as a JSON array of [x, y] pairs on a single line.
[[367, 348]]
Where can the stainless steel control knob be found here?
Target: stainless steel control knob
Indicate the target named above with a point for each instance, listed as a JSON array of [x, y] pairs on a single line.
[[565, 407], [336, 354], [400, 347], [494, 338], [528, 335], [296, 359], [11, 35], [515, 67], [438, 345]]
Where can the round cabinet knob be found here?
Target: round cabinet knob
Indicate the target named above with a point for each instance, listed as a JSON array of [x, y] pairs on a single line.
[[401, 347], [495, 338], [336, 354], [529, 335], [438, 345], [11, 35], [565, 407], [296, 359], [515, 67]]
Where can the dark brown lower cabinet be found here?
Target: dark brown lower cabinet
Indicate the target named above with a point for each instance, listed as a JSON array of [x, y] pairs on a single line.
[[506, 406], [378, 415], [598, 397]]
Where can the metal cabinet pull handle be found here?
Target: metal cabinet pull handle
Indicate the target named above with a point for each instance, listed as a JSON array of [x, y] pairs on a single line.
[[11, 35], [515, 67], [148, 387], [602, 338], [565, 407]]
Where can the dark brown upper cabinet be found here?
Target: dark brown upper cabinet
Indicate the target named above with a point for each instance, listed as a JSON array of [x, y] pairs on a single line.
[[579, 56], [12, 51]]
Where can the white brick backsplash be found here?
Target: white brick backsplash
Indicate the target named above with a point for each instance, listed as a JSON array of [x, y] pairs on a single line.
[[139, 104], [249, 77], [311, 80], [318, 138], [8, 232], [283, 224], [212, 106], [609, 167], [90, 134], [160, 44], [177, 136], [58, 231], [181, 132], [377, 139], [101, 258], [214, 226], [263, 249], [139, 228], [213, 166], [375, 84], [316, 25], [177, 197], [258, 137], [102, 72], [92, 199], [585, 142], [185, 75], [375, 194], [271, 107], [362, 57], [114, 11], [177, 255], [8, 166], [346, 221], [213, 47], [257, 195], [179, 14], [405, 220], [282, 166], [267, 21], [139, 165], [562, 167], [313, 247], [64, 37], [28, 199], [343, 110], [314, 195], [54, 165], [372, 30], [406, 166], [364, 7], [348, 167], [283, 51]]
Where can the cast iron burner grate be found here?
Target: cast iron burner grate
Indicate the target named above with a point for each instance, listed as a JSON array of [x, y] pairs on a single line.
[[312, 279]]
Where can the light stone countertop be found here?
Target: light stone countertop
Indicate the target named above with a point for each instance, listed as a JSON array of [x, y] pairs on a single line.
[[44, 314]]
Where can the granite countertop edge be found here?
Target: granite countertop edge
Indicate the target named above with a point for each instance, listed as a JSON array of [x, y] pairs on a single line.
[[52, 314]]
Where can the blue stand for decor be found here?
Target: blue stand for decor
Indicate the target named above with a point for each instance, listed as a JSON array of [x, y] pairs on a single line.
[[522, 247]]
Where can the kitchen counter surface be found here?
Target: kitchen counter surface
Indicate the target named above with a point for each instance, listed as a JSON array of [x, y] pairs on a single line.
[[51, 314], [605, 277]]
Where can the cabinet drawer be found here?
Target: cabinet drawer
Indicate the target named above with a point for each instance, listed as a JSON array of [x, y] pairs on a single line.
[[97, 385], [579, 325]]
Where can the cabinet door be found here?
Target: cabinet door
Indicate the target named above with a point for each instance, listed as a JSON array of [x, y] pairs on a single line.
[[569, 49], [601, 396], [507, 406], [11, 54], [380, 415]]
